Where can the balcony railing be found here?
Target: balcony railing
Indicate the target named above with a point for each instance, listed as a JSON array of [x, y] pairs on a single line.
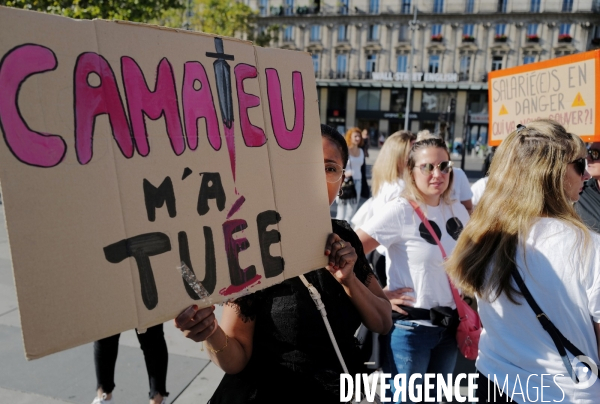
[[463, 76], [289, 11], [333, 74], [565, 38]]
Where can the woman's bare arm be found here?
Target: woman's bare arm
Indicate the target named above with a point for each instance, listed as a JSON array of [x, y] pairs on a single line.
[[229, 344], [368, 242], [374, 308]]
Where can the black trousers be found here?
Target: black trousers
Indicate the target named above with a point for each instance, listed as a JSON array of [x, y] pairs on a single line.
[[488, 392], [156, 356]]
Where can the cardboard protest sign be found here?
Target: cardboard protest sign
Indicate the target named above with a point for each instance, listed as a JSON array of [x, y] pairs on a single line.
[[566, 89], [129, 149]]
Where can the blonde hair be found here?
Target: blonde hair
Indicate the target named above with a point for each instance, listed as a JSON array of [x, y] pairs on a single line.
[[411, 191], [527, 181], [425, 134], [349, 134], [391, 160]]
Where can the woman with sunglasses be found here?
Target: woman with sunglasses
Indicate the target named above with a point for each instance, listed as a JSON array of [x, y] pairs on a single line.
[[415, 260], [526, 236], [588, 206]]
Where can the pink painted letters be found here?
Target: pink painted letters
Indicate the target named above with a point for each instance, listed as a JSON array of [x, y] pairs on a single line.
[[30, 147], [162, 101], [253, 135], [93, 101], [286, 139], [199, 104]]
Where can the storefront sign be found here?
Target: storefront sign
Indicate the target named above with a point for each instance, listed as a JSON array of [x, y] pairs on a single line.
[[420, 76]]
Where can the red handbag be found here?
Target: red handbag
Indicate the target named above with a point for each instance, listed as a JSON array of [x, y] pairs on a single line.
[[469, 327]]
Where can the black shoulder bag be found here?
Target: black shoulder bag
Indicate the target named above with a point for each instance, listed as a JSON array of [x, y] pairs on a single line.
[[561, 342]]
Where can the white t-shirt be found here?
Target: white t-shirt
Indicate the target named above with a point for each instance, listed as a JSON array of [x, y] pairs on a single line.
[[388, 192], [461, 189], [478, 189], [513, 342], [414, 258], [354, 164]]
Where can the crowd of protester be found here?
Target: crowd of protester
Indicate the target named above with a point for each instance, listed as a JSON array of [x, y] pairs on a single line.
[[523, 241]]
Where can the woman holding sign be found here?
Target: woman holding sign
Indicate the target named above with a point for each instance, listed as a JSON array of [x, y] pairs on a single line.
[[273, 344], [525, 247]]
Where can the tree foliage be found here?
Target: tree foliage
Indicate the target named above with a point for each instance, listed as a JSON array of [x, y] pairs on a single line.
[[130, 10], [221, 17]]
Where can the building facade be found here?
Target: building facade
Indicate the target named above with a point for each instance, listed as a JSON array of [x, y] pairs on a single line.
[[361, 52]]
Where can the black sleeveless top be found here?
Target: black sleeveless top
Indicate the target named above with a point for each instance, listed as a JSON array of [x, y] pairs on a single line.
[[293, 359]]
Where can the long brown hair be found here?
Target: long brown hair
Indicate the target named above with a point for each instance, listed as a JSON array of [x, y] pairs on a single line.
[[391, 160], [527, 181]]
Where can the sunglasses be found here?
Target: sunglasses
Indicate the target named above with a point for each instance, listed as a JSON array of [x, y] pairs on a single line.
[[580, 165], [445, 167], [594, 154]]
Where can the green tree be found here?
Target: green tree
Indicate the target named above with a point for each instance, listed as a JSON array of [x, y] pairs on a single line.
[[221, 17], [130, 10]]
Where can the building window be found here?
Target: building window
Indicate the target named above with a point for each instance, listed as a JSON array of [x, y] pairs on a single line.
[[500, 29], [535, 6], [368, 100], [315, 32], [341, 66], [567, 6], [264, 5], [315, 59], [405, 7], [342, 33], [565, 29], [373, 6], [434, 64], [465, 68], [437, 101], [403, 33], [398, 101], [470, 7], [528, 59], [468, 30], [502, 6], [371, 63], [436, 30], [496, 63], [402, 63], [288, 34], [344, 7], [373, 33], [532, 30], [438, 6], [289, 7]]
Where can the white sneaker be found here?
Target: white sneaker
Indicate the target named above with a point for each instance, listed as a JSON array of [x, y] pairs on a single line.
[[103, 400]]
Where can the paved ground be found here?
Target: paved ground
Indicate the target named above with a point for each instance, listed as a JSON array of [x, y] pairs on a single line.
[[68, 377]]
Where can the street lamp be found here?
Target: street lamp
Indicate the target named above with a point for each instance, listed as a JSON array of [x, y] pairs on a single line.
[[414, 25]]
